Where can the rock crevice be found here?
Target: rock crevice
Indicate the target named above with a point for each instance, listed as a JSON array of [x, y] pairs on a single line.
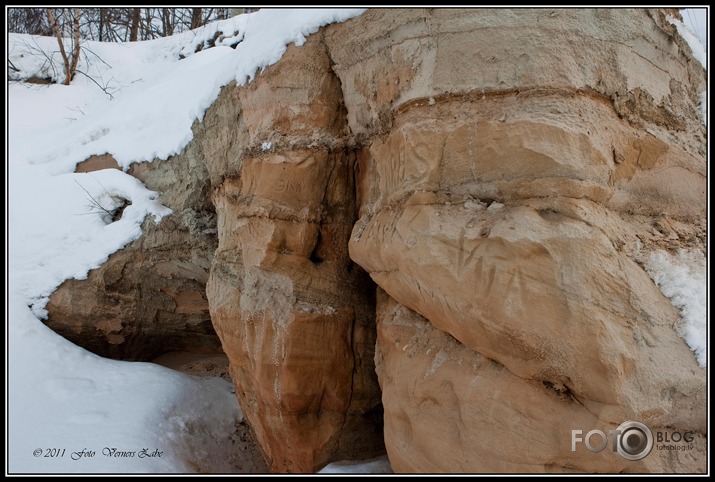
[[294, 314]]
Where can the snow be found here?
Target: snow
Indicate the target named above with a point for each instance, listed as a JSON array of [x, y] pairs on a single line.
[[472, 204], [683, 279], [137, 101], [695, 43], [61, 396], [377, 465], [495, 206], [149, 114], [695, 19]]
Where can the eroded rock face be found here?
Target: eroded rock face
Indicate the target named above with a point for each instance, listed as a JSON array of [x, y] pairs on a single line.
[[150, 297], [294, 313], [451, 409], [525, 165]]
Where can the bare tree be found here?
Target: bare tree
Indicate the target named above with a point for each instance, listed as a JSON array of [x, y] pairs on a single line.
[[168, 21], [103, 14], [28, 20], [134, 30], [116, 24], [70, 61], [196, 18]]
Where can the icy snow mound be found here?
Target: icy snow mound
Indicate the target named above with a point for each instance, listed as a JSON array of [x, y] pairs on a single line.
[[683, 279]]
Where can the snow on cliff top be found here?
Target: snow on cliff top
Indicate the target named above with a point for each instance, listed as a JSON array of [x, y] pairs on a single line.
[[691, 29], [156, 98]]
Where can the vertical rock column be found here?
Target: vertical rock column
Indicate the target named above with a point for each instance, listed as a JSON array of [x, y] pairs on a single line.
[[294, 314], [517, 167]]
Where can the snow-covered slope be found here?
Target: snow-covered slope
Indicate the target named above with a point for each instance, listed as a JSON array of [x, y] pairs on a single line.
[[137, 101]]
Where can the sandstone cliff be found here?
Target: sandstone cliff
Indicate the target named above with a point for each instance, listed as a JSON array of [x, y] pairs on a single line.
[[498, 174]]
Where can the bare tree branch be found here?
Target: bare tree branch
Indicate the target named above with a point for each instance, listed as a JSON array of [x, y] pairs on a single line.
[[94, 202], [112, 24], [104, 88]]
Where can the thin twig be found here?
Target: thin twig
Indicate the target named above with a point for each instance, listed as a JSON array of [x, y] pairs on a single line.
[[102, 185], [104, 89], [94, 201], [86, 49], [48, 60]]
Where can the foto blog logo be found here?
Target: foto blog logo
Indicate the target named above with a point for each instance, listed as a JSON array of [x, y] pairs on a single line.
[[631, 440]]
